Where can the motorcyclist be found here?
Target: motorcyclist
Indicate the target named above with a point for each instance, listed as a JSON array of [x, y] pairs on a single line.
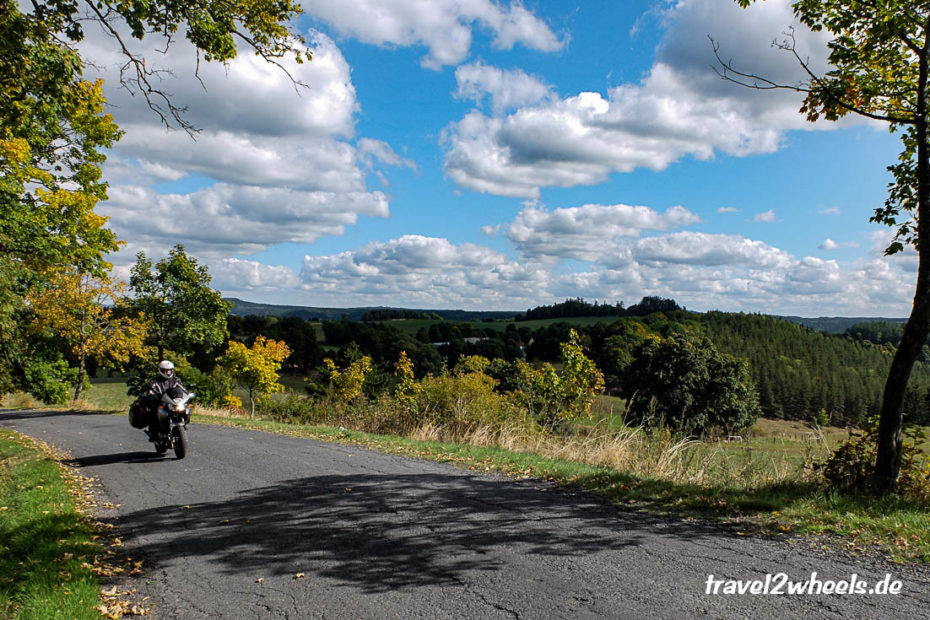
[[163, 382]]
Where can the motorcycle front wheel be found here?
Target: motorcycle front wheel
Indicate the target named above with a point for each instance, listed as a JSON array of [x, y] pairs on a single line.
[[179, 441]]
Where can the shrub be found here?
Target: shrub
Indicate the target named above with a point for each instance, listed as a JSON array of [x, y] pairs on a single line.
[[461, 402], [212, 389], [688, 386], [407, 388], [292, 407], [553, 397], [51, 381], [346, 385], [851, 466]]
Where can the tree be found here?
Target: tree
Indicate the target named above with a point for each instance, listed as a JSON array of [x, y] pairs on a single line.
[[52, 134], [347, 384], [555, 397], [185, 314], [74, 307], [689, 386], [54, 131], [880, 69], [213, 26], [256, 368]]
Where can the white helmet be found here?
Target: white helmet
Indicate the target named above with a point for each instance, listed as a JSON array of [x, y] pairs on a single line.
[[165, 369]]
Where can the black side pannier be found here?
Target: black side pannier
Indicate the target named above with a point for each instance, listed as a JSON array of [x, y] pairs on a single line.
[[137, 417]]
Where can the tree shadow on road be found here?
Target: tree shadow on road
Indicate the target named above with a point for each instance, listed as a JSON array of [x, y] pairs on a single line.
[[381, 532]]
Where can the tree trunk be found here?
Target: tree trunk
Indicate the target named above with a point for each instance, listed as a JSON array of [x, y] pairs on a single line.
[[891, 421], [82, 356], [252, 402], [80, 378]]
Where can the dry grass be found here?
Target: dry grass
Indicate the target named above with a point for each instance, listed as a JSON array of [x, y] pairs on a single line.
[[20, 400], [198, 409], [636, 451]]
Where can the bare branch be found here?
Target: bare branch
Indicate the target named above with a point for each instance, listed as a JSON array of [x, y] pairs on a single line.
[[756, 82], [750, 80], [137, 77], [272, 58], [135, 65]]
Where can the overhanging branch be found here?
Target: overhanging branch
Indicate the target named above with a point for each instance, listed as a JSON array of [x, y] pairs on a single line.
[[728, 72]]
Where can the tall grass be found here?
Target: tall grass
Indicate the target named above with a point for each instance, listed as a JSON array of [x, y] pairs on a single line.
[[482, 418]]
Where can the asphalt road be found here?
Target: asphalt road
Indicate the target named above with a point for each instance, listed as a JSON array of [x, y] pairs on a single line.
[[379, 536]]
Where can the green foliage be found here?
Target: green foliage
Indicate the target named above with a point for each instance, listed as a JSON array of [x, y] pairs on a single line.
[[211, 388], [553, 397], [185, 315], [688, 386], [407, 389], [301, 337], [256, 368], [76, 310], [50, 380], [851, 465], [878, 61], [798, 371], [346, 385], [821, 418], [877, 332], [53, 132], [462, 402], [472, 364]]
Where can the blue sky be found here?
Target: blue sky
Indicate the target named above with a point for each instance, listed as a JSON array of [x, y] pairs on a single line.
[[497, 155]]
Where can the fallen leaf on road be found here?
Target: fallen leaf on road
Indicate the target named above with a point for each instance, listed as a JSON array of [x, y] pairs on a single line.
[[299, 576], [260, 580]]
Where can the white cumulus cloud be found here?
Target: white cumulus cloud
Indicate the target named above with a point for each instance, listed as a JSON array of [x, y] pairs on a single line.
[[590, 232], [444, 27], [273, 162], [680, 108], [506, 89]]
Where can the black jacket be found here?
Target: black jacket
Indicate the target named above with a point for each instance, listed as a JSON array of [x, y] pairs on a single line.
[[159, 385]]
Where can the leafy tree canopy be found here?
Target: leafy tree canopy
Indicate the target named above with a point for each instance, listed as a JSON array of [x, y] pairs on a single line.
[[54, 131], [687, 385], [76, 308], [174, 294], [256, 368]]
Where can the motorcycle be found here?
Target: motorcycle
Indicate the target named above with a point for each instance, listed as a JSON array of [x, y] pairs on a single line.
[[174, 414]]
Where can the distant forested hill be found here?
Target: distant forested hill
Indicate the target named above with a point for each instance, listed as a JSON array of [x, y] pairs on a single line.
[[836, 324], [799, 371], [245, 308]]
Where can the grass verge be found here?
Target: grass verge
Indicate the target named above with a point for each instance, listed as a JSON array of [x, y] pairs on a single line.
[[53, 555], [47, 545]]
